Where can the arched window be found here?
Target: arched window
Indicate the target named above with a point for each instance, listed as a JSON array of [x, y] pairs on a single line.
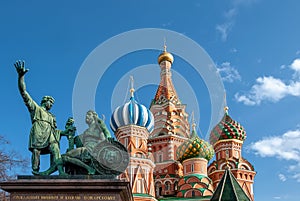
[[158, 189], [140, 186], [192, 169], [137, 142], [176, 185], [237, 154], [160, 157], [167, 186]]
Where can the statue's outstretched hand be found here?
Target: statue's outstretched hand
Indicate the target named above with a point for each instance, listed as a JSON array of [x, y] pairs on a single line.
[[20, 67]]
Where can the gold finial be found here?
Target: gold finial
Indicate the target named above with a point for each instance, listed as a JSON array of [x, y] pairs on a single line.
[[226, 108], [193, 122], [131, 85], [165, 56]]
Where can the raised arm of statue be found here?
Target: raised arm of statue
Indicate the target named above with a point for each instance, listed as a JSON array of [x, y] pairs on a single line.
[[20, 67], [21, 70]]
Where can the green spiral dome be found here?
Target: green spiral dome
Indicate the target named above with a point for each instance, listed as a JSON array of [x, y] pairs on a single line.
[[194, 148]]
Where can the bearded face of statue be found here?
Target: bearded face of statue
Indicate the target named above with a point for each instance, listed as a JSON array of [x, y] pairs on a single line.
[[48, 105], [89, 119]]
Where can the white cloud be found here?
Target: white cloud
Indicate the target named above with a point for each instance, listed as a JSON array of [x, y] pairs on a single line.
[[231, 13], [269, 89], [233, 50], [230, 16], [297, 177], [296, 65], [224, 29], [167, 24], [282, 177], [228, 73], [244, 99], [284, 147], [282, 66]]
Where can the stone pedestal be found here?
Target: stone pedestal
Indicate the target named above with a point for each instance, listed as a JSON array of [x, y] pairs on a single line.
[[58, 188]]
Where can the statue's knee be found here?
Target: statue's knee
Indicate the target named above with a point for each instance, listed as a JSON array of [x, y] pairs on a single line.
[[54, 148], [36, 152]]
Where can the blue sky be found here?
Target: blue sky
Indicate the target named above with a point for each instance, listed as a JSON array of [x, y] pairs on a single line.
[[253, 43]]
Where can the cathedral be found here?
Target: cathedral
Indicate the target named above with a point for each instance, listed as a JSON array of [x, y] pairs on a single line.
[[169, 161]]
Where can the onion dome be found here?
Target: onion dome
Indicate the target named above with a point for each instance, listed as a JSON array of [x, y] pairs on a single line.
[[194, 148], [165, 56], [227, 128], [132, 113]]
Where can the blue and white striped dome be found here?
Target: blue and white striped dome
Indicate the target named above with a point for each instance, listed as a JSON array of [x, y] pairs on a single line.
[[132, 113]]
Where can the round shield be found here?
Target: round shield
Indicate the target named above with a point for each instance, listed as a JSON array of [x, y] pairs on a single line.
[[110, 157]]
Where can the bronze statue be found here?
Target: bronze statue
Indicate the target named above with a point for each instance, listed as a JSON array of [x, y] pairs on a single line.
[[44, 137], [96, 151], [71, 134], [86, 142]]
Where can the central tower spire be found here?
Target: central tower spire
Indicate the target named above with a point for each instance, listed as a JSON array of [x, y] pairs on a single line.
[[171, 129], [166, 91], [169, 112]]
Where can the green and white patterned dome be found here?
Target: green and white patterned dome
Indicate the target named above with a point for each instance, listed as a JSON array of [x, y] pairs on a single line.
[[227, 128]]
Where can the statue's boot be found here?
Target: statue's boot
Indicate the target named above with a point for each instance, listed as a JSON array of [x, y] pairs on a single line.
[[49, 171], [34, 172], [60, 168], [91, 171], [56, 165]]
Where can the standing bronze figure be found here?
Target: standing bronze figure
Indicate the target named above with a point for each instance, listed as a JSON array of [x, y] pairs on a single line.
[[44, 137]]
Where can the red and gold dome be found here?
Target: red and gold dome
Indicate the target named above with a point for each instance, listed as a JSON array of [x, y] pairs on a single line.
[[194, 148], [227, 128]]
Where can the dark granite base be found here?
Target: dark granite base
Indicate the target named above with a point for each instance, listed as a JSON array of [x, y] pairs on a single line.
[[58, 188], [66, 177]]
